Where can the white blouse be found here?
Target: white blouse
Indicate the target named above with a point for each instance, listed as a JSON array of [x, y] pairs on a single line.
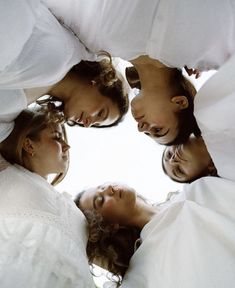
[[214, 110], [190, 243], [43, 56], [199, 34], [42, 234]]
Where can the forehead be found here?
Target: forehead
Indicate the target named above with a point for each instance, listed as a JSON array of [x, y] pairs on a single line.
[[86, 201]]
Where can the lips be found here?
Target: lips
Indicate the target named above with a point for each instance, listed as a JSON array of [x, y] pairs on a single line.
[[78, 120]]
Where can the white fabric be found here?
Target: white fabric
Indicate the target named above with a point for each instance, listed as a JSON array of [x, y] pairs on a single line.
[[15, 16], [42, 234], [214, 111], [191, 242], [43, 57], [199, 34]]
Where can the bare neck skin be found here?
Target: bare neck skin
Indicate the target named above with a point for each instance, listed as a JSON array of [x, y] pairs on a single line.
[[144, 212], [151, 72], [32, 94], [60, 90]]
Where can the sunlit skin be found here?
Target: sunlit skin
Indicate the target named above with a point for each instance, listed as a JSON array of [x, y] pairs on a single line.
[[154, 108], [186, 161], [118, 204], [49, 154], [83, 103]]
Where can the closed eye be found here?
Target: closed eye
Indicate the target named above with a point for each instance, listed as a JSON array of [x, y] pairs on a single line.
[[98, 201]]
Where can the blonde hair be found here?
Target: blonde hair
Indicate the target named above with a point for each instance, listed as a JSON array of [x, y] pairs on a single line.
[[30, 123]]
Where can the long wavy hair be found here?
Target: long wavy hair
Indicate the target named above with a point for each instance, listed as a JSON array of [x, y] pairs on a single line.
[[109, 246], [109, 84], [30, 123]]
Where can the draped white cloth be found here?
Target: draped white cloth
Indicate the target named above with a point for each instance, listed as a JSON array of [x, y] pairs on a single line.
[[36, 51], [42, 234], [199, 34], [190, 243], [215, 114]]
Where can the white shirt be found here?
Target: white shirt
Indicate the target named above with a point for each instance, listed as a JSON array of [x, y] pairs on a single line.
[[215, 114], [42, 234], [190, 243], [199, 34], [45, 54]]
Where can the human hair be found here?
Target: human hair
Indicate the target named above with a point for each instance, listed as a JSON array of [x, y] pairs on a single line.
[[109, 246], [187, 123], [30, 123], [205, 172], [109, 84]]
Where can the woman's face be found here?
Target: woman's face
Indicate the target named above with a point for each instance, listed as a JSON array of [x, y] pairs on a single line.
[[156, 116], [113, 201], [50, 152], [88, 107], [186, 161]]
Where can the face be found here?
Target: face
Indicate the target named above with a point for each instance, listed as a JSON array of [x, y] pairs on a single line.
[[88, 107], [50, 152], [186, 161], [113, 201], [156, 116]]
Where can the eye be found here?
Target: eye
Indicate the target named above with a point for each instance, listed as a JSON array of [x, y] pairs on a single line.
[[168, 154], [58, 136], [101, 113], [99, 200]]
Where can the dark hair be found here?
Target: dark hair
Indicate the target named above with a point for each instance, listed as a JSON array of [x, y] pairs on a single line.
[[30, 123], [104, 76], [203, 173], [108, 246], [187, 123]]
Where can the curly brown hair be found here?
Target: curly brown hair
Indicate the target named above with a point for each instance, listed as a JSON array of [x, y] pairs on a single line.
[[29, 123], [109, 84], [109, 246]]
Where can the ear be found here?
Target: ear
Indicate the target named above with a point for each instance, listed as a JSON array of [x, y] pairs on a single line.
[[181, 101], [28, 146], [211, 169]]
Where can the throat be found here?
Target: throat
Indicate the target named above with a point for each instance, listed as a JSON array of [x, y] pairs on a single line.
[[32, 94]]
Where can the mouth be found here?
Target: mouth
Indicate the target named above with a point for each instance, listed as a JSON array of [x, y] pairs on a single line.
[[79, 120]]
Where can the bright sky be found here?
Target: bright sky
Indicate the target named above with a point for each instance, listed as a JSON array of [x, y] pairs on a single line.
[[118, 154]]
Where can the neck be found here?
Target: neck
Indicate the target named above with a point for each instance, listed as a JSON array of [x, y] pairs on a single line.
[[63, 89], [144, 59], [152, 73], [144, 213]]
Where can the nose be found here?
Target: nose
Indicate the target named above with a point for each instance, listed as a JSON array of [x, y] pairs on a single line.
[[66, 146], [173, 159], [87, 122], [143, 127], [109, 191]]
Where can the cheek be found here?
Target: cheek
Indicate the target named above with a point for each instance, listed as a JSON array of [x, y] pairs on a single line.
[[109, 210]]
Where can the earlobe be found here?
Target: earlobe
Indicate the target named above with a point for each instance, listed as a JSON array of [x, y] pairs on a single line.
[[28, 146], [181, 101]]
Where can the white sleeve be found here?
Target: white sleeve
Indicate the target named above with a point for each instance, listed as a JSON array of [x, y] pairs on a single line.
[[17, 22], [12, 102], [214, 111], [34, 254]]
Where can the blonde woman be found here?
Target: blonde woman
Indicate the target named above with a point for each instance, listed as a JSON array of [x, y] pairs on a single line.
[[43, 234]]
